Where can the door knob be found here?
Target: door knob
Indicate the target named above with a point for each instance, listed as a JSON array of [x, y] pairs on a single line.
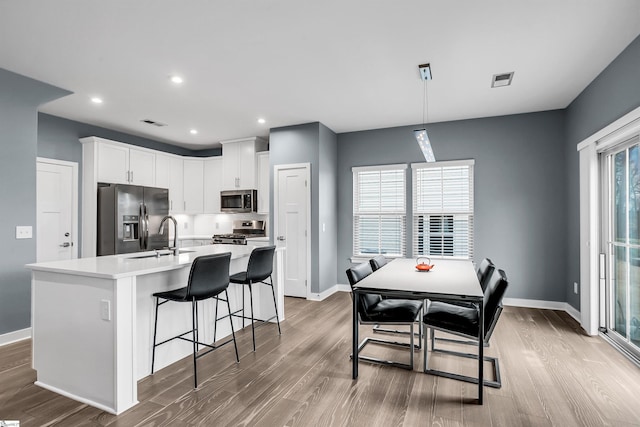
[[66, 244], [281, 238]]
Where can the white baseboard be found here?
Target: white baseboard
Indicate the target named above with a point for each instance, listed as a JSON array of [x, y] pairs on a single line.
[[546, 305], [15, 336], [326, 294], [80, 399]]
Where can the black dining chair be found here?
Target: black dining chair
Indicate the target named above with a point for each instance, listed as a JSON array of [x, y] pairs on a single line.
[[464, 321], [377, 263], [485, 268], [374, 310], [259, 269], [484, 271], [208, 278]]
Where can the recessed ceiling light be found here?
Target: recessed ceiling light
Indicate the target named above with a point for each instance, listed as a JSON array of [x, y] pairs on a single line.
[[177, 79], [193, 131], [262, 121], [96, 100]]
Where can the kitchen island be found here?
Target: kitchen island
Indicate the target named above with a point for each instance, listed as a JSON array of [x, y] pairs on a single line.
[[92, 320]]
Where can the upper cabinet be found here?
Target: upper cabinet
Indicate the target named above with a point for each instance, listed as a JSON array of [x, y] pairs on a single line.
[[119, 164], [239, 163], [193, 186], [212, 184], [263, 182], [169, 174]]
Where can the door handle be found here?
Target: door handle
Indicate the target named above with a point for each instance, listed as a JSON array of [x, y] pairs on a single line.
[[66, 244], [141, 227], [281, 238]]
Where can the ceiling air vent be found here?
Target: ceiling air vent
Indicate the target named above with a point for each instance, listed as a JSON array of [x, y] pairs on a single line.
[[152, 122], [503, 79]]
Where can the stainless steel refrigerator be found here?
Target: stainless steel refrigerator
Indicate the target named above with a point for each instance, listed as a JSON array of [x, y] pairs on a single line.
[[129, 218]]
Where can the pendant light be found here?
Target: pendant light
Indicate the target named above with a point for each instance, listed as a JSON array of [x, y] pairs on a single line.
[[421, 134]]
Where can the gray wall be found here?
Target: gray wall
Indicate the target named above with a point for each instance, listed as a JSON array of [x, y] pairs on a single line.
[[312, 143], [328, 208], [19, 101], [615, 92], [520, 196]]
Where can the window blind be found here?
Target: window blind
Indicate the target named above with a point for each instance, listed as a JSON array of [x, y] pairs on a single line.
[[443, 209], [379, 210]]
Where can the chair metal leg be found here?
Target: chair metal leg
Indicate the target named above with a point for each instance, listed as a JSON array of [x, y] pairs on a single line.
[[155, 330], [497, 383], [369, 340], [194, 322], [424, 353], [253, 329], [243, 316], [275, 304], [215, 319], [411, 345], [230, 323], [197, 332]]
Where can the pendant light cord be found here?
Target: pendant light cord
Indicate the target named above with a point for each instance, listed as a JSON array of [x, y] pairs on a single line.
[[425, 106]]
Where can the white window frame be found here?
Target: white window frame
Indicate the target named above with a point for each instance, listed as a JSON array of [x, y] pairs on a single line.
[[401, 213], [463, 215]]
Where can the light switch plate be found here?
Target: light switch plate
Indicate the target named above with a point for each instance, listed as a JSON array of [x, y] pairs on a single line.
[[105, 309], [24, 232]]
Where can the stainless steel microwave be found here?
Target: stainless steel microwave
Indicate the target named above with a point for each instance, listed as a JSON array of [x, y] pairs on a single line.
[[239, 201]]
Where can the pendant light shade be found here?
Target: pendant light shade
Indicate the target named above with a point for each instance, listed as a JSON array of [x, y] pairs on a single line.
[[421, 134], [425, 145]]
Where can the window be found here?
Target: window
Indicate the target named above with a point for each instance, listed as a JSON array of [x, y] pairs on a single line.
[[379, 210], [443, 209]]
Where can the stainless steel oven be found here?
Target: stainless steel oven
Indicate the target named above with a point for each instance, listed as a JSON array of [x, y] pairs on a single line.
[[239, 201]]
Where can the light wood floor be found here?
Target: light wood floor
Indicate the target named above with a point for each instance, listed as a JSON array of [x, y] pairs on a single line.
[[552, 375]]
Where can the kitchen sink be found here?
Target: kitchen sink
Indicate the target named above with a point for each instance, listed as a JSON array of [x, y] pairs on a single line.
[[158, 254]]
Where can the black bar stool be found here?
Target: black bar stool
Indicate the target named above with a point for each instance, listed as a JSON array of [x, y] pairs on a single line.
[[259, 268], [208, 278]]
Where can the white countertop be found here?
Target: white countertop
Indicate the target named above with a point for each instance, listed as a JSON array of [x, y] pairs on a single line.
[[126, 265], [196, 237]]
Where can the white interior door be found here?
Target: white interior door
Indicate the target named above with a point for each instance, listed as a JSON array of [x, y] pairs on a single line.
[[56, 226], [292, 225]]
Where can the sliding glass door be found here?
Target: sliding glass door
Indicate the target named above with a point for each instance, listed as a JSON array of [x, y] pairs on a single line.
[[621, 228]]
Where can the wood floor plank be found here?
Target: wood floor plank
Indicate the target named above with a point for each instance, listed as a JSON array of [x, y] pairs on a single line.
[[553, 375]]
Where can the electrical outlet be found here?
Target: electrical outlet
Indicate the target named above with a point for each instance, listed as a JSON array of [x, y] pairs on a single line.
[[575, 287], [24, 232], [105, 309]]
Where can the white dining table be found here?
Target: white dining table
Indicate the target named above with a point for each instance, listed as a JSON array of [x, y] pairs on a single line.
[[448, 280]]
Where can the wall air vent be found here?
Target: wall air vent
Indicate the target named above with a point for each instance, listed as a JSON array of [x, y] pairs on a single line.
[[503, 79], [153, 122]]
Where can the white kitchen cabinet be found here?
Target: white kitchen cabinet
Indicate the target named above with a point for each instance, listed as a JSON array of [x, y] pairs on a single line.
[[120, 164], [176, 184], [239, 163], [263, 182], [212, 184], [162, 170], [193, 186], [169, 174]]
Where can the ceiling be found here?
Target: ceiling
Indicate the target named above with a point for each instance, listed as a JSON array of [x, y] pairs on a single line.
[[350, 64]]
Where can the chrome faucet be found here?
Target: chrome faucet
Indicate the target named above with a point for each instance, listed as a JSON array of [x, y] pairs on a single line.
[[175, 233]]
